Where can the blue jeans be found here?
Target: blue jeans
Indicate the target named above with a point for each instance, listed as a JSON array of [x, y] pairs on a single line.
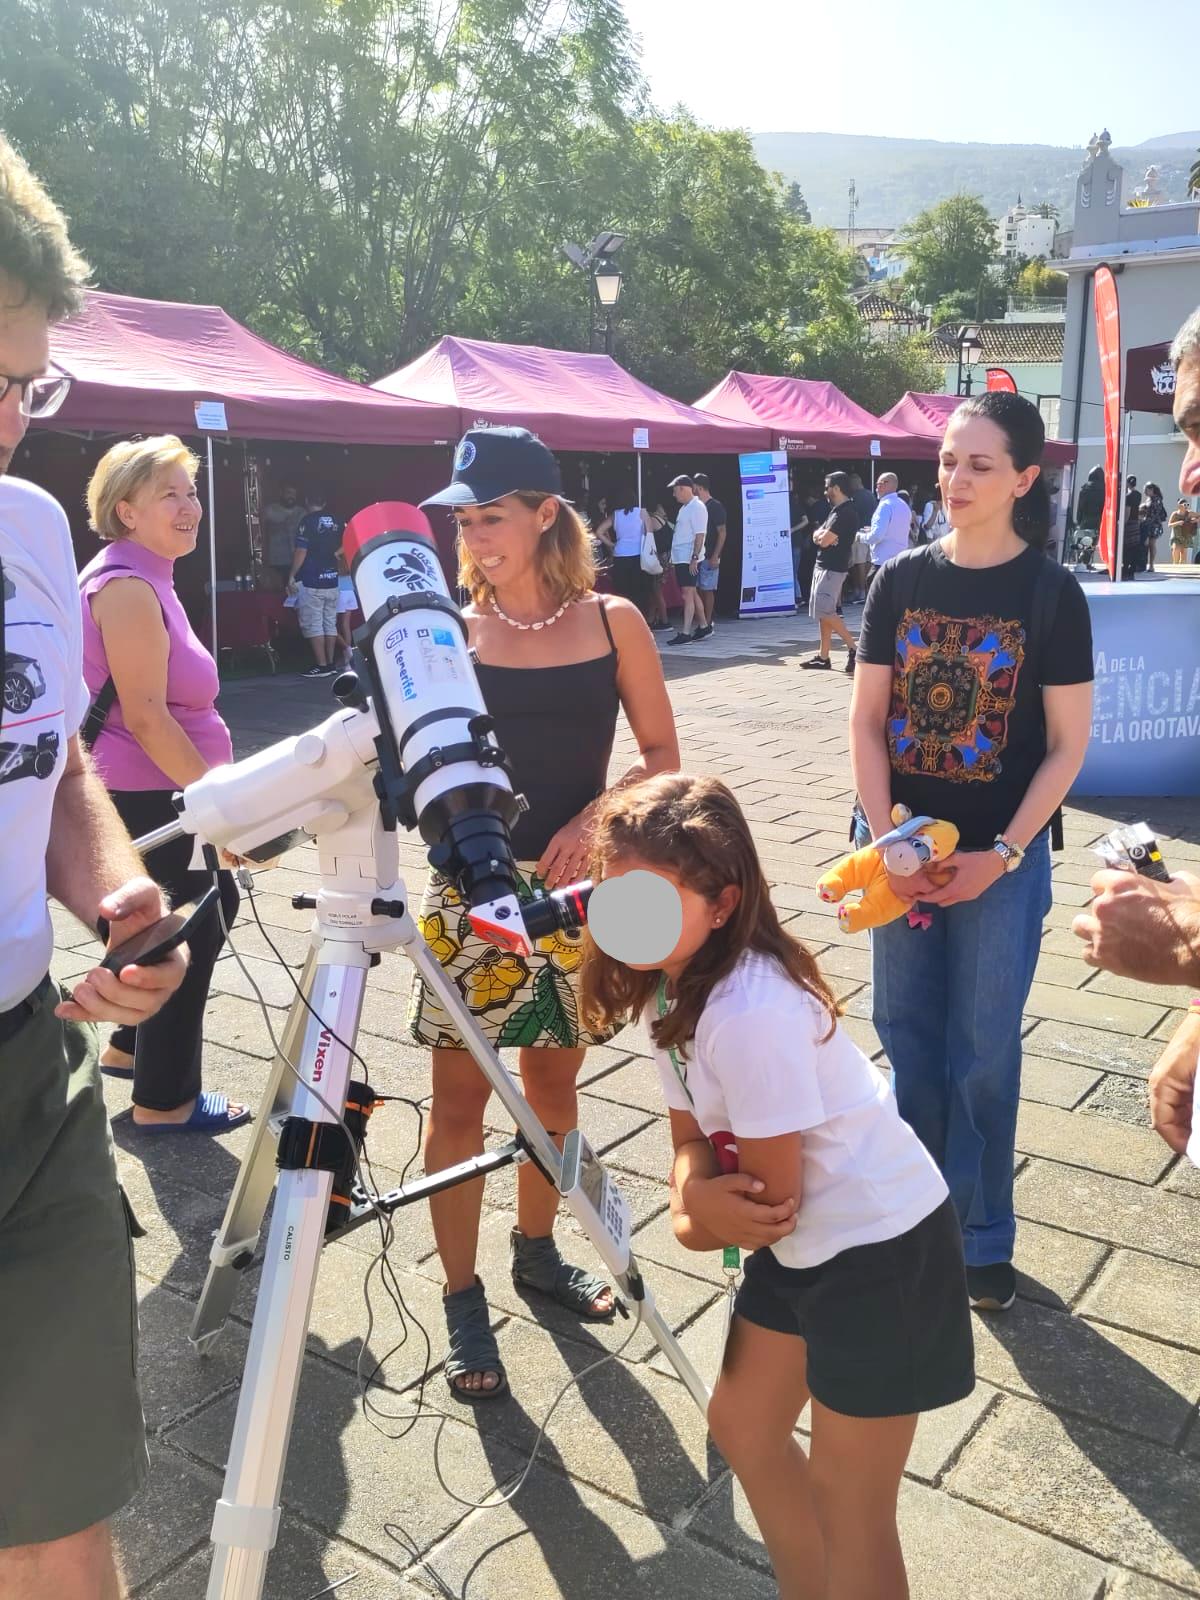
[[948, 1002]]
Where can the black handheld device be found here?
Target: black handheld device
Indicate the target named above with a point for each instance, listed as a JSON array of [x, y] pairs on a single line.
[[155, 943]]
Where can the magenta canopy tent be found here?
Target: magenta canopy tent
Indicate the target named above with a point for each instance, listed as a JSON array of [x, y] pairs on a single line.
[[142, 366], [925, 417], [570, 400], [805, 416]]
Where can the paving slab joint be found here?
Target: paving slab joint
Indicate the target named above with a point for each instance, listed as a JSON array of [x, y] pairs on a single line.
[[1110, 1251]]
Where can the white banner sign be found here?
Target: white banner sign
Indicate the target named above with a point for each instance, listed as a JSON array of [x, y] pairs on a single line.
[[768, 580], [641, 438], [210, 416]]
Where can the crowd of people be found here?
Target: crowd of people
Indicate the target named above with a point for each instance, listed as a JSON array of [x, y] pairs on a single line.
[[876, 1219]]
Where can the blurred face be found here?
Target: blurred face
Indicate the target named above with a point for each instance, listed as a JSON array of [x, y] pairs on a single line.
[[889, 483], [683, 493], [700, 915], [502, 538], [1187, 420], [979, 483], [165, 514], [834, 494], [24, 353], [289, 496]]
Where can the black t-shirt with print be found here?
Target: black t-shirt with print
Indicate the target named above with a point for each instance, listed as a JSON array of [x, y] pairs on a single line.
[[965, 729], [842, 520]]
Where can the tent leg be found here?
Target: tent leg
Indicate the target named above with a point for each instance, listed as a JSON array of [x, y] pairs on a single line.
[[212, 552], [639, 472]]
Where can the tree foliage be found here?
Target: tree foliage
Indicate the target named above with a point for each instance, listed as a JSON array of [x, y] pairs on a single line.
[[354, 178], [795, 203], [949, 249], [1041, 282]]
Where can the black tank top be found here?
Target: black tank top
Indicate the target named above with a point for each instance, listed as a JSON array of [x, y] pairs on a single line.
[[556, 725]]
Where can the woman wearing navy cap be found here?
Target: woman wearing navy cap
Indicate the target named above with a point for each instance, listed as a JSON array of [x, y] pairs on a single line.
[[556, 662]]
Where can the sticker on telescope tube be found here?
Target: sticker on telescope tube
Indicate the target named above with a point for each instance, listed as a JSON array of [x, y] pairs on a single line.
[[636, 917]]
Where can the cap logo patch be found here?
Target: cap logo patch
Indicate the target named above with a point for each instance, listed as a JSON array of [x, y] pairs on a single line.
[[464, 455]]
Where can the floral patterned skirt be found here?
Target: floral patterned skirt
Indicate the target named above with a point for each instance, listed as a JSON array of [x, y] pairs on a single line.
[[517, 1000]]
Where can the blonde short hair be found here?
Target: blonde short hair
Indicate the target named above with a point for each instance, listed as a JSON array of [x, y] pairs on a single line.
[[565, 562], [125, 470]]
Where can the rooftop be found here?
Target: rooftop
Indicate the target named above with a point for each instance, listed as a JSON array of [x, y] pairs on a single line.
[[1006, 343]]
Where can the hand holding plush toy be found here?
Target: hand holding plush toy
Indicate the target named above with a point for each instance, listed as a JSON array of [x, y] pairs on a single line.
[[915, 844]]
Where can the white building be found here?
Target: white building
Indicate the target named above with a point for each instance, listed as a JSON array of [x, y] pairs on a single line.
[[1155, 253], [1020, 232]]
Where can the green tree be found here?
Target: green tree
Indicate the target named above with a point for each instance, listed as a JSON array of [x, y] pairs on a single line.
[[873, 372], [1038, 281], [949, 249], [795, 203]]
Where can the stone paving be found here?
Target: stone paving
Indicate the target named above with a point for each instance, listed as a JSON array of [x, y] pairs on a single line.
[[1073, 1471]]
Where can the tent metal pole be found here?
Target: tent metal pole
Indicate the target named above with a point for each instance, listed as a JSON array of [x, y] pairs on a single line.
[[1122, 474], [212, 552], [638, 453]]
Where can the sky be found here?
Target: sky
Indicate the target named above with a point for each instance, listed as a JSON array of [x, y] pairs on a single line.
[[999, 71]]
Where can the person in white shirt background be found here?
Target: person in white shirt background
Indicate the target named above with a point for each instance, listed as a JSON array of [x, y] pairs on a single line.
[[934, 522], [687, 547], [891, 524], [788, 1142]]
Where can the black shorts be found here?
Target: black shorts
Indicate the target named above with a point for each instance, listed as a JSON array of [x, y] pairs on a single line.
[[888, 1325], [684, 576]]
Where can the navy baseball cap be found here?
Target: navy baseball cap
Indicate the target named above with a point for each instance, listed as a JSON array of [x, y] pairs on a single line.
[[492, 462]]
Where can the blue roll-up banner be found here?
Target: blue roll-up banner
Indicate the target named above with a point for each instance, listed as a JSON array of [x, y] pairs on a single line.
[[768, 578], [1146, 720]]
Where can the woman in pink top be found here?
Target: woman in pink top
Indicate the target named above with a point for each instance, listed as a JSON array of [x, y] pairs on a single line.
[[161, 732]]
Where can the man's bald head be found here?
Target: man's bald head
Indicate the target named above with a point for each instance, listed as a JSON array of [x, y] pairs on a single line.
[[887, 483]]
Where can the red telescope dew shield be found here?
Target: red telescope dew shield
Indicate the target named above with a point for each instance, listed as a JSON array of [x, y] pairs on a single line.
[[1108, 340], [385, 516]]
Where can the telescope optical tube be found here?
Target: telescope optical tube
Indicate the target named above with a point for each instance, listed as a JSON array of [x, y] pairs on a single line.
[[441, 770]]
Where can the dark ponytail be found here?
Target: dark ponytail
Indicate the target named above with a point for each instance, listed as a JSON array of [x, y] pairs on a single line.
[[1021, 423]]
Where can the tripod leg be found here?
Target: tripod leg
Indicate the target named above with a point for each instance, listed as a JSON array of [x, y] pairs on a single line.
[[236, 1240], [612, 1241], [247, 1515]]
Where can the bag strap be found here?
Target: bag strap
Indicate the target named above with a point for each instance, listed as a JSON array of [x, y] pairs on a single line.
[[92, 725]]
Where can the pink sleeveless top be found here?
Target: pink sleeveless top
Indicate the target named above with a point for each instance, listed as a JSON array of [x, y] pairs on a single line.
[[192, 682]]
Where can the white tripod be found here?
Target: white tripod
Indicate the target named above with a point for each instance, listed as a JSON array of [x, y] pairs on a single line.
[[361, 910]]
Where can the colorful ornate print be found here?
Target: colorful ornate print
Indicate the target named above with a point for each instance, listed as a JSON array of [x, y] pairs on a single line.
[[517, 1000], [953, 690]]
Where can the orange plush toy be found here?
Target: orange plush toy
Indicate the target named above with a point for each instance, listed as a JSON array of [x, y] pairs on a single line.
[[914, 844]]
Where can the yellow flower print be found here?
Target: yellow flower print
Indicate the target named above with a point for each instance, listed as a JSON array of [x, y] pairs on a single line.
[[565, 950], [433, 931], [493, 979]]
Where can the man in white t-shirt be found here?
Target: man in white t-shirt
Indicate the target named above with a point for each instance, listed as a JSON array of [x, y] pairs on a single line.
[[687, 546], [72, 1440]]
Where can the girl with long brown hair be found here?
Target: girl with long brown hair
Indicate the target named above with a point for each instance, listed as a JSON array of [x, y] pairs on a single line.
[[788, 1141]]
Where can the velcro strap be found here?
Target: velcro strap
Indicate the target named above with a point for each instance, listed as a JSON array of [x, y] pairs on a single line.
[[323, 1146]]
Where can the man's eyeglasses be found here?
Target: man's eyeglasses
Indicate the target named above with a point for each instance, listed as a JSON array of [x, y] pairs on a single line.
[[39, 397]]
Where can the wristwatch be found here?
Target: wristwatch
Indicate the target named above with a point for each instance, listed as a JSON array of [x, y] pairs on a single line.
[[1011, 854]]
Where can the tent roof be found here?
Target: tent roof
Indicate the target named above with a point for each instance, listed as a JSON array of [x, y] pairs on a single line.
[[926, 416], [143, 364], [570, 400], [804, 415]]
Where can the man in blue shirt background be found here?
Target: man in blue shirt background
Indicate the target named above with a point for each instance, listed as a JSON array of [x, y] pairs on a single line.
[[314, 582]]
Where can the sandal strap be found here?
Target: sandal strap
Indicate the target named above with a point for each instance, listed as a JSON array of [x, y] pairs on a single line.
[[538, 1264], [473, 1346]]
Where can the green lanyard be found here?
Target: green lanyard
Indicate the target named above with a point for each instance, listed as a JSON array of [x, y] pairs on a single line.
[[731, 1255]]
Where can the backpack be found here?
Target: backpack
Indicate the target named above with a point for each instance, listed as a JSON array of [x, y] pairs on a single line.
[[1047, 593]]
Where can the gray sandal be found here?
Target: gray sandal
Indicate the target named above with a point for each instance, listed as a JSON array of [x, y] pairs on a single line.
[[536, 1264], [473, 1345]]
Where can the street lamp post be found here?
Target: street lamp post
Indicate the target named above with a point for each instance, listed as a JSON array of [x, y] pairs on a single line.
[[597, 261], [606, 279], [970, 353]]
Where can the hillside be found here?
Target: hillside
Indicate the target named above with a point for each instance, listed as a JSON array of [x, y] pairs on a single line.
[[896, 178]]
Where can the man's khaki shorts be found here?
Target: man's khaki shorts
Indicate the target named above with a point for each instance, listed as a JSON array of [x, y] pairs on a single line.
[[72, 1439], [826, 592], [316, 610]]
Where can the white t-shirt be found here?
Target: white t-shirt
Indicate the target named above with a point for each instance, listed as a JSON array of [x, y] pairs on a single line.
[[757, 1069], [691, 524], [45, 700]]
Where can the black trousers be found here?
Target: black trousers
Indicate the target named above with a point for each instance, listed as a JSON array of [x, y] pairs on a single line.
[[629, 581], [167, 1048]]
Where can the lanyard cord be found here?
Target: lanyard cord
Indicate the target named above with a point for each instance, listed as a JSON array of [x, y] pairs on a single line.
[[680, 1069]]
